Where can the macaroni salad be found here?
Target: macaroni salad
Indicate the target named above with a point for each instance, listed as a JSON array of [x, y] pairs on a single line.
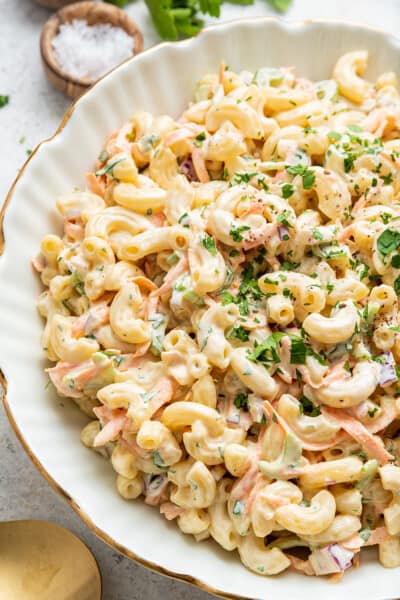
[[224, 305]]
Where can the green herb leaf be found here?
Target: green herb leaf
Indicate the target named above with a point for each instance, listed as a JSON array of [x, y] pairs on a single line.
[[308, 176], [308, 408], [298, 351], [317, 235], [209, 244], [238, 507], [162, 18], [241, 401], [387, 179], [355, 128], [158, 461], [243, 177], [199, 139], [236, 232], [283, 218], [289, 266], [4, 100], [388, 242], [240, 333], [396, 286], [108, 168], [288, 190], [365, 533], [333, 135], [280, 5], [267, 351], [395, 261]]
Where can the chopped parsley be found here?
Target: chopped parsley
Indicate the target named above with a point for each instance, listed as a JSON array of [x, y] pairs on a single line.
[[4, 100], [283, 217], [386, 217], [333, 135], [307, 407], [248, 291], [199, 139], [242, 401], [234, 253], [355, 128], [267, 351], [109, 168], [387, 179], [289, 266], [243, 177], [349, 160], [388, 242], [158, 461], [299, 352], [308, 176], [396, 286], [240, 333], [238, 507], [236, 232], [209, 244], [288, 190], [317, 235], [147, 396], [78, 283]]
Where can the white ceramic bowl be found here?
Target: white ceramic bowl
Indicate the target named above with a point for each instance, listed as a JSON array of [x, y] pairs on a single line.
[[159, 80]]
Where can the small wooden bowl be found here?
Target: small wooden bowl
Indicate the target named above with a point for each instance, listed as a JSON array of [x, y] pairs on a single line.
[[93, 13]]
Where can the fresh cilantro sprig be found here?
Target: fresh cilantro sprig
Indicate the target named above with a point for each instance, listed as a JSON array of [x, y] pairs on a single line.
[[181, 18]]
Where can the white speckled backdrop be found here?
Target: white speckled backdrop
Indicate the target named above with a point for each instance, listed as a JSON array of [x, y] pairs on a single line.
[[34, 112]]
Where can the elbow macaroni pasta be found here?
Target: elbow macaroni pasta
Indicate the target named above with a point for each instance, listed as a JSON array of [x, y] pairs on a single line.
[[224, 305]]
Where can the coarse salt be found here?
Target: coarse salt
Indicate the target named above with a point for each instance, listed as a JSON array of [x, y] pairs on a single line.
[[88, 52]]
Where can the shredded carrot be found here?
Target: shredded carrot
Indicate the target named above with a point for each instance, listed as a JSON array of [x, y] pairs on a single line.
[[304, 566], [164, 392], [112, 428], [145, 282], [199, 165], [171, 511], [95, 185], [372, 445], [172, 276]]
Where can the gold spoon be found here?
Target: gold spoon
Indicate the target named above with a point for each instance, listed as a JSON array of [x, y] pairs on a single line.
[[40, 560]]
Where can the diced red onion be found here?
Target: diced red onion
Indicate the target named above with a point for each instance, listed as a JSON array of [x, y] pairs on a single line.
[[154, 485], [234, 418], [342, 556], [187, 168], [331, 559], [388, 371], [283, 232]]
